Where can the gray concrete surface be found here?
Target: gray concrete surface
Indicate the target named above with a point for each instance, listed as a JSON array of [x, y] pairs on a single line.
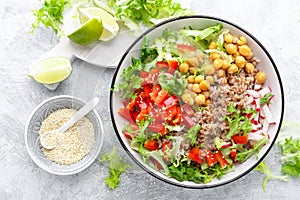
[[274, 22]]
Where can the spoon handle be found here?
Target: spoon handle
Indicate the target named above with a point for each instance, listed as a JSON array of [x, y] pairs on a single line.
[[79, 114]]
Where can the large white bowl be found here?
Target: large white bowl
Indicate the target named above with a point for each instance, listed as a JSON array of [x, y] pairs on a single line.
[[267, 65]]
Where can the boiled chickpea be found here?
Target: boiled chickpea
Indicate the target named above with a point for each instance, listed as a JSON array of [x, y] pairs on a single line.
[[228, 38], [218, 63], [249, 68], [199, 78], [249, 56], [210, 79], [206, 94], [208, 102], [196, 88], [191, 79], [204, 85], [185, 97], [212, 45], [192, 70], [231, 48], [260, 77], [193, 62], [232, 69], [200, 99], [225, 64], [240, 61], [214, 55], [244, 50], [184, 68], [242, 41], [209, 70], [190, 86], [221, 73]]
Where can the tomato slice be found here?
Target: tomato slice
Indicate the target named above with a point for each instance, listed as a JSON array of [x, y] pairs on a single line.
[[141, 115], [210, 158], [194, 155], [185, 48], [171, 101], [154, 92], [156, 127], [221, 159], [151, 145], [162, 65], [186, 108], [144, 74], [161, 97], [240, 139]]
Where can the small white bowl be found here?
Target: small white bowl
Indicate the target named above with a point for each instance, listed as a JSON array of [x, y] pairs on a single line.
[[266, 64], [40, 113]]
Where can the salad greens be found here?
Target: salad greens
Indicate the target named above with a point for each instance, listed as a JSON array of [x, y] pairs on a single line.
[[173, 84], [136, 12], [116, 167], [266, 99], [192, 134], [264, 169]]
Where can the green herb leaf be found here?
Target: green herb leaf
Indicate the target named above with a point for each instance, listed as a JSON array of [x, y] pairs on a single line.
[[265, 99], [115, 166], [192, 134], [173, 84], [264, 169]]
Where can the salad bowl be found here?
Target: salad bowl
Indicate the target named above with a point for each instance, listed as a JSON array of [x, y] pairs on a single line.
[[156, 162]]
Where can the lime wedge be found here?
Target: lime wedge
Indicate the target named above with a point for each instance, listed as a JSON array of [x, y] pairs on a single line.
[[51, 70], [88, 33], [110, 25]]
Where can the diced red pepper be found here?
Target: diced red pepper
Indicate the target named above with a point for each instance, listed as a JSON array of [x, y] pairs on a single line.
[[185, 48], [171, 101], [173, 65], [171, 113], [232, 153], [240, 139], [151, 145], [163, 131], [162, 65], [161, 97], [177, 119], [165, 146], [154, 92], [141, 115], [186, 108], [210, 158], [221, 159], [194, 155], [188, 121]]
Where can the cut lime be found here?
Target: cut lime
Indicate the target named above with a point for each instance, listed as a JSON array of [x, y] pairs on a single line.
[[88, 33], [110, 25], [51, 70]]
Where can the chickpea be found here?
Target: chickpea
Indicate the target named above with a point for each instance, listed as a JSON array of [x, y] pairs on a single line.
[[209, 70], [190, 86], [208, 102], [184, 68], [228, 38], [199, 78], [204, 85], [210, 79], [206, 94], [212, 45], [191, 79], [249, 68], [193, 62], [232, 69], [225, 64], [221, 73], [193, 95], [200, 99], [218, 63], [231, 48], [185, 97], [192, 70], [196, 88], [242, 41], [240, 61], [214, 55], [190, 101], [249, 56], [260, 77], [244, 50]]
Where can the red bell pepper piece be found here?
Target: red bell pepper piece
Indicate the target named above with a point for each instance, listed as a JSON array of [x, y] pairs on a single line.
[[210, 158], [141, 115], [173, 65], [221, 159], [154, 92], [194, 155], [232, 153], [161, 97], [151, 145], [240, 139]]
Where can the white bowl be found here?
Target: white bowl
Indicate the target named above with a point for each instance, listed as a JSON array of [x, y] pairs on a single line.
[[40, 113], [267, 65]]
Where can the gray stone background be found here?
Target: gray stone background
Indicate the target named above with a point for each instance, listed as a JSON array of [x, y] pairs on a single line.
[[274, 22]]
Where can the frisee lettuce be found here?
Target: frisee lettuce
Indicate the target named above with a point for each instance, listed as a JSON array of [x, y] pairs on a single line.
[[115, 166]]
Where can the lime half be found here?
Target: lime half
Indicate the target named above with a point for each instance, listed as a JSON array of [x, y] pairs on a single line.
[[110, 25], [51, 70], [88, 33]]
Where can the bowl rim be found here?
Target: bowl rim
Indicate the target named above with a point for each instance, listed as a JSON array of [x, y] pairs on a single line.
[[164, 178], [94, 157]]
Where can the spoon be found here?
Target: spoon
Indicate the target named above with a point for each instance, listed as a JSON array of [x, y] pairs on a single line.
[[77, 116]]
